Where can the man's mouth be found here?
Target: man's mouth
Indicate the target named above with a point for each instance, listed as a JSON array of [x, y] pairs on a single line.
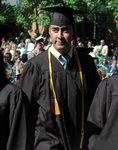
[[60, 42]]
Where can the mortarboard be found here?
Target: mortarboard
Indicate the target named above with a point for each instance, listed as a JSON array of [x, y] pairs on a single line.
[[62, 15]]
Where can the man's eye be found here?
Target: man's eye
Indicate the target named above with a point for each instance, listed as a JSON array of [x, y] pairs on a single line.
[[65, 30], [55, 30]]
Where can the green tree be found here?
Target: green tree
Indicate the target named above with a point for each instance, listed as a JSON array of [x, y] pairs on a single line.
[[92, 9], [12, 14], [24, 20]]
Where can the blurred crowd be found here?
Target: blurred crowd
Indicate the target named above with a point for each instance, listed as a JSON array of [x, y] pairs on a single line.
[[18, 51], [105, 57]]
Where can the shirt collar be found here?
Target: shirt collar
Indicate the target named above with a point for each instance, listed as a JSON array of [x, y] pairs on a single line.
[[57, 54]]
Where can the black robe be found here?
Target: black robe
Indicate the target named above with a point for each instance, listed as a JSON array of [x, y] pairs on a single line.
[[103, 115], [15, 125], [58, 131], [108, 139]]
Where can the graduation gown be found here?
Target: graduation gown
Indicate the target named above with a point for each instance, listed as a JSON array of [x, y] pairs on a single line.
[[15, 126], [59, 132], [108, 139], [104, 102]]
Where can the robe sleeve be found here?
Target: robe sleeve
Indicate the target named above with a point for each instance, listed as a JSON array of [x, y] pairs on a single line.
[[20, 128], [99, 112], [29, 81]]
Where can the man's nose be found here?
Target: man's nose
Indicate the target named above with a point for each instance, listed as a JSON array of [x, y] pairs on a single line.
[[60, 34]]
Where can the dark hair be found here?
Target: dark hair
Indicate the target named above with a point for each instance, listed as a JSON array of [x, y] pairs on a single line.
[[9, 54], [24, 58], [103, 59]]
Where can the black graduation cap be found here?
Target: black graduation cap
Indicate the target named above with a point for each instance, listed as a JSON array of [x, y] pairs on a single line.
[[62, 15]]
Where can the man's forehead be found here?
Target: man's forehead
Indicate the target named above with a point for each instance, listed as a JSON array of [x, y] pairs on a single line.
[[55, 26]]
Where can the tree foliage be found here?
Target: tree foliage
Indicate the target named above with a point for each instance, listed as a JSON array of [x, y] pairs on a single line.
[[89, 6], [10, 13]]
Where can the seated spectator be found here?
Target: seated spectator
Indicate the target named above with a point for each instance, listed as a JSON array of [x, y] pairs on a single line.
[[27, 41], [16, 64], [79, 43], [8, 60], [99, 56], [7, 50], [24, 59], [10, 45], [102, 73], [114, 72], [113, 58], [45, 41], [20, 70], [17, 41], [22, 49], [48, 45], [104, 64], [89, 44], [38, 46], [9, 75], [113, 66], [30, 48], [17, 53], [103, 48], [4, 43], [12, 51]]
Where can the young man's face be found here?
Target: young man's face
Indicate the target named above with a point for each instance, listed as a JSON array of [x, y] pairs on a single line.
[[61, 37]]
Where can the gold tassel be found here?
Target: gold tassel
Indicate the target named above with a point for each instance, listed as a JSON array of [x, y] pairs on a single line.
[[57, 110], [81, 142]]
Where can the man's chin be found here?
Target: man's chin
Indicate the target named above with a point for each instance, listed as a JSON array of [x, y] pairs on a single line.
[[60, 47]]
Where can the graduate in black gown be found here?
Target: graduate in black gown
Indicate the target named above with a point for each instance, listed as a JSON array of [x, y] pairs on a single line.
[[15, 125], [60, 87], [102, 118]]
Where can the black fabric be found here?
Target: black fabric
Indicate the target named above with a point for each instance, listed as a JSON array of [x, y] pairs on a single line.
[[15, 125], [103, 116], [62, 16], [107, 140], [61, 19], [58, 132]]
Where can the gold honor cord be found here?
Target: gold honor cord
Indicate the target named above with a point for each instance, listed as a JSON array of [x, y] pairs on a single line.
[[56, 110], [81, 77]]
